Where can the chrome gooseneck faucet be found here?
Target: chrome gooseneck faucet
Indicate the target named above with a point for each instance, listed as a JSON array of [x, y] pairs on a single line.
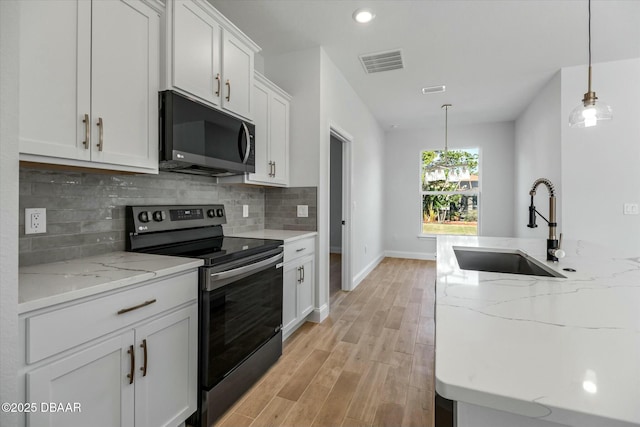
[[553, 244]]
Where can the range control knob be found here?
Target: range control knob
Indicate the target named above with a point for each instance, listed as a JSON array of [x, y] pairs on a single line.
[[159, 216], [144, 216], [211, 213], [220, 213]]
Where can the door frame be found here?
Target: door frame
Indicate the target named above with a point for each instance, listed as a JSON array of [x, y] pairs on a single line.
[[347, 179]]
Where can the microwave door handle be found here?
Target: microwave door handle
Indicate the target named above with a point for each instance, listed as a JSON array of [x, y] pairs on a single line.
[[246, 269], [245, 130]]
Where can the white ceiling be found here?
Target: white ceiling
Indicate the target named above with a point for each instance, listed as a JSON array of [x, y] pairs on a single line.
[[492, 55]]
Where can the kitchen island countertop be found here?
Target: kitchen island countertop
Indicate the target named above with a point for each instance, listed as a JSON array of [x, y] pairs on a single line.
[[563, 350], [44, 285]]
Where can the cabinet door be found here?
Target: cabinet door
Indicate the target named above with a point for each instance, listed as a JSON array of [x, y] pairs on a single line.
[[279, 138], [167, 394], [306, 288], [237, 74], [95, 378], [261, 120], [291, 275], [55, 61], [125, 82], [196, 52]]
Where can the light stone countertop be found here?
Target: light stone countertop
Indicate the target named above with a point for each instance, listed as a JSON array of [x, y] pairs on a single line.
[[287, 236], [561, 350], [44, 285]]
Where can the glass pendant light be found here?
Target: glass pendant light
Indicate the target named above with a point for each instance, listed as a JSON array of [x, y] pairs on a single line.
[[590, 111]]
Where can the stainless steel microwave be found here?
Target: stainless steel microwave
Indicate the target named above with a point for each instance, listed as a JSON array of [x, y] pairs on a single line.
[[198, 139]]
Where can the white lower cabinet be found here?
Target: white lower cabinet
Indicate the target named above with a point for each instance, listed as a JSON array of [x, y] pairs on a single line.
[[143, 374], [94, 379], [299, 279]]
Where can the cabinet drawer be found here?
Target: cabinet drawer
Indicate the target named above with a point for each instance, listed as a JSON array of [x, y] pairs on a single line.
[[56, 331], [299, 248]]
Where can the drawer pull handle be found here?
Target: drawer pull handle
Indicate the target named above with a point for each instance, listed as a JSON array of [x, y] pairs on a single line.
[[228, 83], [144, 365], [219, 82], [135, 307], [133, 364], [300, 250]]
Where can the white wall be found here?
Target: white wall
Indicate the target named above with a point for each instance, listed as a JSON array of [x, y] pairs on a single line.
[[335, 165], [342, 107], [402, 182], [601, 165], [322, 97], [298, 73], [8, 208], [537, 155]]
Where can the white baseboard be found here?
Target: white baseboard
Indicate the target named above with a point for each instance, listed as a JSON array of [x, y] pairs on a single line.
[[428, 256], [319, 314], [335, 249], [368, 269]]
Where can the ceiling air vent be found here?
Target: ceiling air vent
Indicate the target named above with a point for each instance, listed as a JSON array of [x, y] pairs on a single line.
[[382, 61]]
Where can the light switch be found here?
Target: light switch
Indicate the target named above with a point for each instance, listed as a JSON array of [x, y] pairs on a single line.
[[303, 211], [245, 211], [630, 209]]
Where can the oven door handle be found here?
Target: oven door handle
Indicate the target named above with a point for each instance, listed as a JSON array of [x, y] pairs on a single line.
[[246, 269]]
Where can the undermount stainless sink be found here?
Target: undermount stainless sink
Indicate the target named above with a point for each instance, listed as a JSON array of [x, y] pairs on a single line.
[[501, 261]]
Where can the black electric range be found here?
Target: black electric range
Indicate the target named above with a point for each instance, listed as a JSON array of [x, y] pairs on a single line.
[[240, 297]]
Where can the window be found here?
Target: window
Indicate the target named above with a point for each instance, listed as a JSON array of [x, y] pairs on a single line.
[[450, 192]]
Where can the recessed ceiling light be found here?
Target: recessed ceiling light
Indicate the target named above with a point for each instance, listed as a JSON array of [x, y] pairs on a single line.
[[433, 89], [395, 126], [362, 16]]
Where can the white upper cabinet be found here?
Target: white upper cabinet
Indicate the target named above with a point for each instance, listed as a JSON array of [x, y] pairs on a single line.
[[208, 57], [196, 52], [89, 77], [271, 118]]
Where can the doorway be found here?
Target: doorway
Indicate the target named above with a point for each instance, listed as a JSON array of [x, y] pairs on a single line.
[[339, 212], [335, 215]]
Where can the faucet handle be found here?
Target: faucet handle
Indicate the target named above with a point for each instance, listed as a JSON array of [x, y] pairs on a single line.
[[558, 252]]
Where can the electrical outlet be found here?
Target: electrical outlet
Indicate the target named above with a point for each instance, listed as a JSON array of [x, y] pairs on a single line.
[[630, 209], [303, 211], [35, 220], [245, 211]]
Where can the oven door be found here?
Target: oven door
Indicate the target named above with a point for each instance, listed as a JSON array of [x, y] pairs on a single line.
[[241, 309]]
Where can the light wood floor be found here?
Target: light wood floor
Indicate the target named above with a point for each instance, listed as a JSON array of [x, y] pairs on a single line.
[[335, 276], [369, 364]]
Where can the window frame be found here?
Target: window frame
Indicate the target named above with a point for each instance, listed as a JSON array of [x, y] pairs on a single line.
[[471, 192]]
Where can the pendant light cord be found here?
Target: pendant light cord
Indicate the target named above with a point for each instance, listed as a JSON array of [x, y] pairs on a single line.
[[589, 32], [589, 28], [446, 131]]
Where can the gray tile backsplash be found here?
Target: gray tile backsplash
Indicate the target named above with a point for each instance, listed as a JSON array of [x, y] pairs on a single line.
[[85, 211], [281, 208]]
